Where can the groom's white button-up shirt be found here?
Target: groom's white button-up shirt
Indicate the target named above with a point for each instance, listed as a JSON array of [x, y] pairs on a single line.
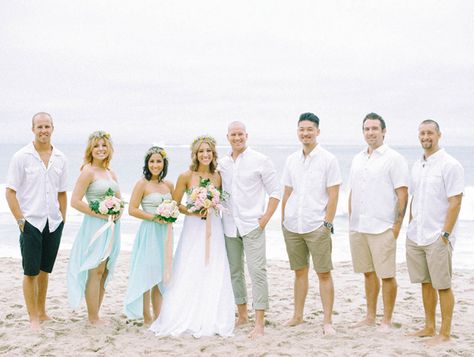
[[247, 179]]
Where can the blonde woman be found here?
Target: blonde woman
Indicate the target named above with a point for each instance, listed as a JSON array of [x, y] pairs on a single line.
[[97, 244]]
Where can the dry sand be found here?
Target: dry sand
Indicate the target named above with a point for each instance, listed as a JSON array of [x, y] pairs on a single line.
[[69, 335]]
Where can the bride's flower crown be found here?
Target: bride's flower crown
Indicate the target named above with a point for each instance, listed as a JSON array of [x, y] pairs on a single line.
[[99, 134], [204, 138], [156, 150]]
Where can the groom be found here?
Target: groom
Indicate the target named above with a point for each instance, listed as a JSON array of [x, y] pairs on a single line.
[[248, 176]]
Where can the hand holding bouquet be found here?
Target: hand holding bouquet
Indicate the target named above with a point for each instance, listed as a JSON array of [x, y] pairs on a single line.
[[204, 197], [108, 205], [167, 211]]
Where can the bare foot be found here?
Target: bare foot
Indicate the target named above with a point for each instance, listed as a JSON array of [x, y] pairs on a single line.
[[98, 322], [425, 332], [384, 328], [35, 325], [364, 323], [44, 317], [328, 330], [294, 321], [241, 322], [436, 340], [256, 332]]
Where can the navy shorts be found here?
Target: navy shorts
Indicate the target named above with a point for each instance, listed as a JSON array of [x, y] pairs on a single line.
[[39, 249]]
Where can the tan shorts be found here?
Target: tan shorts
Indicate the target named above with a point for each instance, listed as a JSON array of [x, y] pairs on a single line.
[[430, 263], [318, 243], [374, 252]]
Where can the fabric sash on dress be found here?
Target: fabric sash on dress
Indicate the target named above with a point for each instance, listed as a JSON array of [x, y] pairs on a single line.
[[110, 224], [208, 237], [168, 253]]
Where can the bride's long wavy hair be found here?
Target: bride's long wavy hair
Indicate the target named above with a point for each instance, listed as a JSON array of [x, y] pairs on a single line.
[[194, 150]]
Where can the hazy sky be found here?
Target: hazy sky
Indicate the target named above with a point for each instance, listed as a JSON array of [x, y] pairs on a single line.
[[166, 71]]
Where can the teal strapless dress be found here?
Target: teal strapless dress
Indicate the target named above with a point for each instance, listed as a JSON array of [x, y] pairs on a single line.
[[82, 257], [146, 265]]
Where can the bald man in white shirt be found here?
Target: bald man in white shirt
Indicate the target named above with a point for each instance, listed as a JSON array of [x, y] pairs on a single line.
[[248, 176], [377, 202], [36, 195], [437, 185]]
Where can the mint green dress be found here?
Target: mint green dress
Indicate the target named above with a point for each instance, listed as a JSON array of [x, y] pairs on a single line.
[[146, 265], [84, 257]]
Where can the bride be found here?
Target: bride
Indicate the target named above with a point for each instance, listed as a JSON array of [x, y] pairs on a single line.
[[199, 298]]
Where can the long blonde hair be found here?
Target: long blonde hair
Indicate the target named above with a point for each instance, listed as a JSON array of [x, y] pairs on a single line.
[[194, 150], [92, 142]]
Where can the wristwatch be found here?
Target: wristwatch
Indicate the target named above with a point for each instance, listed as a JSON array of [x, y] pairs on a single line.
[[21, 223], [445, 235], [329, 226]]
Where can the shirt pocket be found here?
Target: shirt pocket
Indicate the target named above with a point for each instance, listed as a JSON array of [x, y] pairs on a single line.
[[32, 176], [55, 175], [316, 179], [434, 184]]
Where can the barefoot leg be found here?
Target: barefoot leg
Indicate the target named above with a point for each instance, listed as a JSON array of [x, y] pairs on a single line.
[[300, 292], [389, 295], [93, 293], [259, 324]]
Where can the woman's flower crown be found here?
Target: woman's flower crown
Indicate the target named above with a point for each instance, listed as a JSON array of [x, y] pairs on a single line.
[[204, 138], [156, 150], [99, 134]]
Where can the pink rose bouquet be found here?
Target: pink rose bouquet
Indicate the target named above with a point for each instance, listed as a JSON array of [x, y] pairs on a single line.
[[108, 205], [167, 211]]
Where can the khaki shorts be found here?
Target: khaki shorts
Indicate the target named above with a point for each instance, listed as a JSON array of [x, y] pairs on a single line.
[[430, 263], [374, 252], [317, 242]]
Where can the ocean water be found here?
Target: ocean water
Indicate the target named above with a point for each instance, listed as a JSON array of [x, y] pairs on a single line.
[[128, 163]]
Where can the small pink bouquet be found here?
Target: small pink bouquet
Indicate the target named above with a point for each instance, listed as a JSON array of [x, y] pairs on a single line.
[[167, 211], [204, 197], [109, 204]]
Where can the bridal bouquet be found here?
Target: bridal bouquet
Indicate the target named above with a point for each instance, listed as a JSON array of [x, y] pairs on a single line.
[[109, 204], [204, 197], [167, 211]]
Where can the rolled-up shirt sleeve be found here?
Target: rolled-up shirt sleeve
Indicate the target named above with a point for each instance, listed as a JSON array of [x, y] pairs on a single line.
[[454, 180], [286, 178], [63, 179], [270, 179], [399, 172], [15, 172]]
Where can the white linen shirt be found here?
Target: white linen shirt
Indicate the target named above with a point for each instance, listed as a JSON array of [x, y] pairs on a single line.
[[309, 177], [372, 182], [37, 187], [247, 179], [433, 181]]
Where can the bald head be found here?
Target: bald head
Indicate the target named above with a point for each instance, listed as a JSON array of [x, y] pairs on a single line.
[[41, 115], [236, 125]]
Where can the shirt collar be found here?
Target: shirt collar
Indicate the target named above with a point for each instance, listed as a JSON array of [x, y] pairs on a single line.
[[434, 156], [313, 153], [242, 154], [379, 151], [30, 149]]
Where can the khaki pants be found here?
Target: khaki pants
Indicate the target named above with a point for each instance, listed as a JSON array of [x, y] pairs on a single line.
[[253, 245]]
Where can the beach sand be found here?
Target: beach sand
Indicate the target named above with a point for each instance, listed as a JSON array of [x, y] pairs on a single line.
[[69, 335]]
